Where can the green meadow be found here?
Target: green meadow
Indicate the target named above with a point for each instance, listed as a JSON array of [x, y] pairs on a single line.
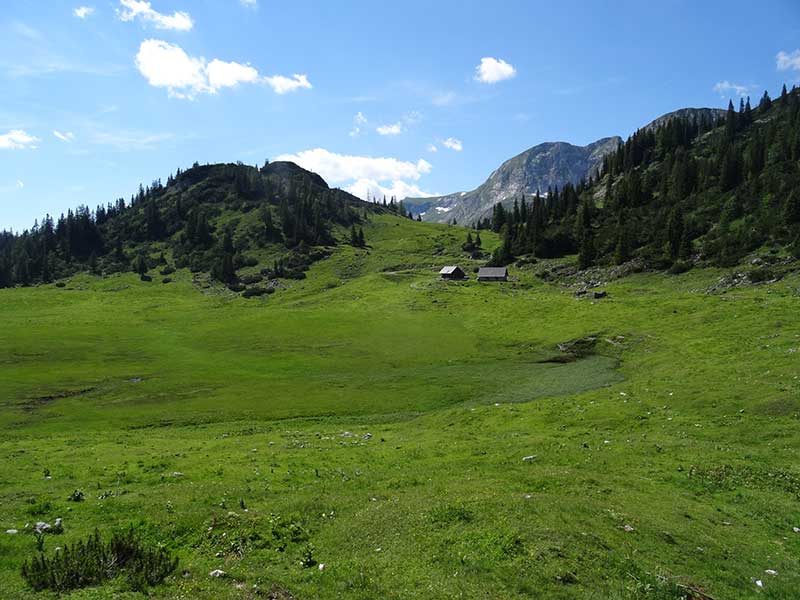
[[373, 432]]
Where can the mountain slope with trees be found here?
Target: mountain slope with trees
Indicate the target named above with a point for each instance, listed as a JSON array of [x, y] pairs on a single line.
[[213, 218], [694, 189]]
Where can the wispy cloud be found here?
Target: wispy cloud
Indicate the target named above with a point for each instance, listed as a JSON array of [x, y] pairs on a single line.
[[166, 65], [359, 120], [16, 186], [18, 139], [432, 148], [133, 9], [453, 143], [68, 136], [390, 129], [725, 89], [37, 55], [493, 70], [83, 12], [788, 61], [129, 140], [249, 3], [284, 85]]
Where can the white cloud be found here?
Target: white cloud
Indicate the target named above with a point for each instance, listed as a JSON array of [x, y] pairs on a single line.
[[339, 168], [364, 176], [177, 21], [358, 120], [432, 148], [453, 144], [17, 139], [788, 60], [83, 11], [726, 88], [20, 184], [392, 129], [67, 136], [492, 70], [249, 3], [371, 189], [229, 74], [168, 66], [283, 85]]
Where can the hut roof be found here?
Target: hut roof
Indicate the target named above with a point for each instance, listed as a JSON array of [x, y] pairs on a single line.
[[493, 272]]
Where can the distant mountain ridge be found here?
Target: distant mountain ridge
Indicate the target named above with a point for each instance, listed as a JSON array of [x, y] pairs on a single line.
[[547, 165]]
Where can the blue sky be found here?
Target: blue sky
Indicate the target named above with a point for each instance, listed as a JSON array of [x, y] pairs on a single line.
[[98, 96]]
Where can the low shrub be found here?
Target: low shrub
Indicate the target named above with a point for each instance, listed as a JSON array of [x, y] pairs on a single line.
[[253, 292], [251, 279], [93, 561], [680, 266], [761, 275]]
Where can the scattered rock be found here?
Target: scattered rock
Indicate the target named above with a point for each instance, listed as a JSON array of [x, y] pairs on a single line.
[[759, 583], [599, 295], [11, 531], [321, 566], [41, 527], [627, 528], [217, 573], [796, 529], [771, 572], [529, 458]]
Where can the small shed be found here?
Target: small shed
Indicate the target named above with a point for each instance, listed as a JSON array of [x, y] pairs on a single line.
[[493, 274], [452, 272]]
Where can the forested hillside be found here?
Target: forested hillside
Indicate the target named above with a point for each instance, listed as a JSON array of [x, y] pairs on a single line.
[[214, 218], [691, 190]]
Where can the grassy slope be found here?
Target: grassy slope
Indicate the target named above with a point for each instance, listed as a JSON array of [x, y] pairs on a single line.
[[250, 400]]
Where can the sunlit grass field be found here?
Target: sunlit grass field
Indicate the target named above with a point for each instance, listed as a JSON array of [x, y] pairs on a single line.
[[387, 415]]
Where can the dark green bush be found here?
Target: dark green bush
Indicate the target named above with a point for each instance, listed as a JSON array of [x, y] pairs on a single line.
[[93, 561], [761, 274], [253, 292], [680, 266]]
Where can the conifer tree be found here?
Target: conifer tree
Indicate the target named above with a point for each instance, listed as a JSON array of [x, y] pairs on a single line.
[[140, 265], [791, 208]]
